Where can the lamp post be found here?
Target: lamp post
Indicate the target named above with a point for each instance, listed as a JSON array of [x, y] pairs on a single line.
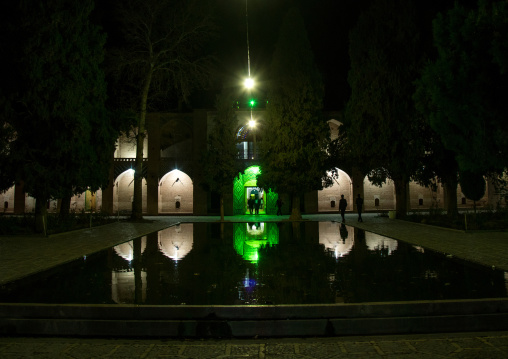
[[249, 81], [247, 23]]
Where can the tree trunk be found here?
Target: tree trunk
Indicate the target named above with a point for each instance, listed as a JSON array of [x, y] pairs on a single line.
[[41, 215], [296, 235], [65, 207], [451, 197], [222, 207], [401, 197], [296, 214], [136, 263], [137, 203]]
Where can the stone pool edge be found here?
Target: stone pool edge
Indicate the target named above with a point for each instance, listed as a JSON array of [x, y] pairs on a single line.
[[254, 321]]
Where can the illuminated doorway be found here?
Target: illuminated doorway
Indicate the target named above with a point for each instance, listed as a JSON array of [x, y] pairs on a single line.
[[254, 194], [243, 187]]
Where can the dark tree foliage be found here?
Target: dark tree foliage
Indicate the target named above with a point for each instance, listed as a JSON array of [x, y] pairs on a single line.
[[220, 165], [339, 154], [438, 164], [472, 185], [382, 124], [160, 56], [467, 85], [6, 137], [63, 140], [295, 136]]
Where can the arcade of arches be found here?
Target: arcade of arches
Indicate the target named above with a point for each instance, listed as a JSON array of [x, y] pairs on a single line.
[[172, 152]]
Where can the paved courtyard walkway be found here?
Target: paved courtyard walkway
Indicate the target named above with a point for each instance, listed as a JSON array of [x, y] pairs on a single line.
[[21, 256], [493, 345]]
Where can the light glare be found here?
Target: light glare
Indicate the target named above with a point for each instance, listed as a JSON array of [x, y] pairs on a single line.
[[248, 83]]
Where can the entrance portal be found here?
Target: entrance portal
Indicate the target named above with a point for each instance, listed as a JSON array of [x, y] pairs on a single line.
[[252, 194], [244, 186]]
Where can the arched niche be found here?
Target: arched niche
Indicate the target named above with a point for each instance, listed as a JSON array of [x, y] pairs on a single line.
[[123, 192], [176, 193], [328, 198]]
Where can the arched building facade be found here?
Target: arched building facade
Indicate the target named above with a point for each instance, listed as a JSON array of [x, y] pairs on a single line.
[[172, 151]]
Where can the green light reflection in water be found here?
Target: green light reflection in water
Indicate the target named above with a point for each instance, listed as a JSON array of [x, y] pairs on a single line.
[[250, 237]]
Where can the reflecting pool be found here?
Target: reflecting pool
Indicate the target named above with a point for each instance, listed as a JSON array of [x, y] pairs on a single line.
[[259, 263]]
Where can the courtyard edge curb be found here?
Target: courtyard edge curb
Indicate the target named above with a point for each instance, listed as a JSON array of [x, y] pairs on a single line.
[[254, 321]]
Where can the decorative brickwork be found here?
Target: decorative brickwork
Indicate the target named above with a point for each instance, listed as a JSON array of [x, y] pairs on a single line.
[[238, 196]]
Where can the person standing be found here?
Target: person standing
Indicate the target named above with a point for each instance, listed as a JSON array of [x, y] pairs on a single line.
[[359, 206], [257, 203], [251, 204], [342, 207]]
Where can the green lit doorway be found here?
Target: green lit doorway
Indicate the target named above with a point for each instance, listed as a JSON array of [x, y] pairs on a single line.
[[254, 193], [242, 188]]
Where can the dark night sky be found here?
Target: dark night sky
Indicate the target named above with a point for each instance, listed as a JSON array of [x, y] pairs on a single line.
[[328, 24]]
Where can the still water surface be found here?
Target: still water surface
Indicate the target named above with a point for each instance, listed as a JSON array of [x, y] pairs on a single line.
[[259, 263]]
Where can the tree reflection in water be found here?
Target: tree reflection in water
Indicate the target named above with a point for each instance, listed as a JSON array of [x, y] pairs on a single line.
[[259, 263]]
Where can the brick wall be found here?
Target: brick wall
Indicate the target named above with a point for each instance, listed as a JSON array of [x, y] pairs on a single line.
[[126, 146], [385, 195], [341, 186]]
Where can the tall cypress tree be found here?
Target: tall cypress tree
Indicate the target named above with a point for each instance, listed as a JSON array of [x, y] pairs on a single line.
[[63, 136], [467, 85], [295, 135], [382, 123]]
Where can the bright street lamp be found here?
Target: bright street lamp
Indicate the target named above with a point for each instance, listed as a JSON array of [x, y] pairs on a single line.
[[248, 83]]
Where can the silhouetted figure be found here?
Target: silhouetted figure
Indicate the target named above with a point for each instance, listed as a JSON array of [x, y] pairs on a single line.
[[359, 206], [279, 207], [343, 232], [250, 202], [257, 203], [342, 207]]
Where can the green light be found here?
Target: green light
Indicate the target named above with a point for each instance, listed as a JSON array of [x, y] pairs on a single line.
[[253, 170], [252, 102], [249, 240]]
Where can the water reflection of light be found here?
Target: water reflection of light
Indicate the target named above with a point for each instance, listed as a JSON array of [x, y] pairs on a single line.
[[123, 287], [331, 236], [126, 250], [250, 237], [506, 280], [419, 249], [176, 242], [377, 242], [246, 281], [255, 229]]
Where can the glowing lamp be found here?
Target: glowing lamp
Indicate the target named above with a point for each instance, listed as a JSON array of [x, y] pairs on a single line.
[[248, 83]]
